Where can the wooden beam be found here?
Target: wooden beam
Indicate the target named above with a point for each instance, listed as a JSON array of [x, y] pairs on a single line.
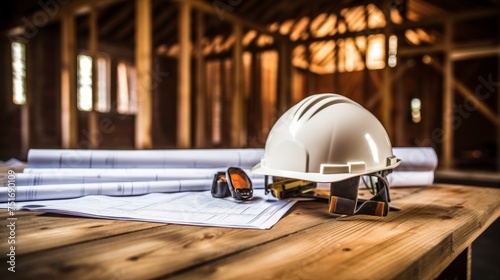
[[477, 52], [200, 84], [184, 81], [498, 104], [284, 77], [238, 132], [387, 99], [469, 94], [164, 32], [93, 119], [208, 8], [143, 61], [25, 125], [69, 123], [118, 17], [448, 100], [126, 30]]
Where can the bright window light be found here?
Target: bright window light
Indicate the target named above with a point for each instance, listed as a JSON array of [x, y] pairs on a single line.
[[416, 106], [103, 100], [84, 89], [127, 94], [393, 51], [18, 73], [376, 52]]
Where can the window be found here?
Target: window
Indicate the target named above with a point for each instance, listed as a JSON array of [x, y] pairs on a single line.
[[84, 89], [103, 100], [126, 92], [18, 73], [375, 56]]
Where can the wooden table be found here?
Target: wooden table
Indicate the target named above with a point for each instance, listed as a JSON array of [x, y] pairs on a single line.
[[435, 229]]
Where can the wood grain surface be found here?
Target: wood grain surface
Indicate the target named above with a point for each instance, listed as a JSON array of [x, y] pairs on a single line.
[[435, 225]]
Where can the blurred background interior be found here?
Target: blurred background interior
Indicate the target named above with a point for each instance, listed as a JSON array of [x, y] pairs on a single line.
[[218, 73], [115, 74]]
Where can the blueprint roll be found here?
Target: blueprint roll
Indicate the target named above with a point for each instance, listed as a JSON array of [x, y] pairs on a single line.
[[175, 158], [57, 176], [65, 191], [416, 158]]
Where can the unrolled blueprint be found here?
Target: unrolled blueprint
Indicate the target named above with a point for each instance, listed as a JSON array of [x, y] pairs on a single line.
[[190, 208]]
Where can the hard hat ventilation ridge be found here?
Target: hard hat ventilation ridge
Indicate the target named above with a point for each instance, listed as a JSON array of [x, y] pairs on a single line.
[[316, 103]]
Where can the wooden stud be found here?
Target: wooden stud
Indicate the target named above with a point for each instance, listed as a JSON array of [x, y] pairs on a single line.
[[25, 124], [387, 89], [200, 84], [93, 119], [498, 111], [237, 108], [387, 100], [448, 99], [255, 103], [69, 116], [498, 99], [284, 77], [184, 81], [143, 61]]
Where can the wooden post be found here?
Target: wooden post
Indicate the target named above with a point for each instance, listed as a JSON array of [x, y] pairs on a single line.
[[25, 124], [238, 84], [387, 100], [284, 76], [143, 58], [200, 84], [498, 99], [28, 109], [448, 99], [387, 84], [255, 104], [69, 116], [93, 115], [184, 81]]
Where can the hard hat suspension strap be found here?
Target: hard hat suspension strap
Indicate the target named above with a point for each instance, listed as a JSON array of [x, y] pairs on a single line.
[[344, 198]]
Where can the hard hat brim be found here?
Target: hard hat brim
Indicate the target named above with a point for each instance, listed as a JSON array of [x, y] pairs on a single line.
[[316, 177]]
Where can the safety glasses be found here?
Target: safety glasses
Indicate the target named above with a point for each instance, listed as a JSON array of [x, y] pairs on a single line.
[[234, 182]]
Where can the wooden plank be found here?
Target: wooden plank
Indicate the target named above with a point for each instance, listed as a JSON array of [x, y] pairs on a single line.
[[143, 62], [435, 225], [158, 251], [69, 123], [184, 81], [48, 231]]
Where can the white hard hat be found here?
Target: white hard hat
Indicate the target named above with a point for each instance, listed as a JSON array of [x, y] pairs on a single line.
[[326, 138]]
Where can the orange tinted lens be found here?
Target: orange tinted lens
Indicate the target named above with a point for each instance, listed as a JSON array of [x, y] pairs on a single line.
[[239, 180]]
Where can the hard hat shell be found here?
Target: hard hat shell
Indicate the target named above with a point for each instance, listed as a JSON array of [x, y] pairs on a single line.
[[326, 138]]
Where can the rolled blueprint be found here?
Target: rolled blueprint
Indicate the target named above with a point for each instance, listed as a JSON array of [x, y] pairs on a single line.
[[45, 192], [56, 176], [175, 158], [415, 158]]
